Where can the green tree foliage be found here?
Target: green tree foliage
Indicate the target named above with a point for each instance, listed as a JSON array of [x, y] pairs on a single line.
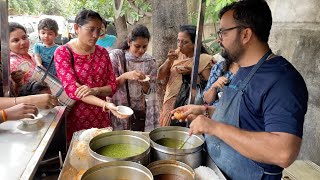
[[213, 8], [35, 7]]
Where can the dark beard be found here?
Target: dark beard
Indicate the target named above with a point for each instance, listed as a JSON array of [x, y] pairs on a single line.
[[234, 56]]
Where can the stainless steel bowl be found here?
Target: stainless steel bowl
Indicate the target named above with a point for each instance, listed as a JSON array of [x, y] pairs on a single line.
[[172, 167], [192, 156], [117, 170], [120, 137]]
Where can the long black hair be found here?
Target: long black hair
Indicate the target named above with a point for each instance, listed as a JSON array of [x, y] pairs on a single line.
[[139, 31], [191, 30]]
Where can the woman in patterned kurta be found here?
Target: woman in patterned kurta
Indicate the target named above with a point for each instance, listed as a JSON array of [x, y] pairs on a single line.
[[170, 71], [22, 64], [139, 64], [90, 80]]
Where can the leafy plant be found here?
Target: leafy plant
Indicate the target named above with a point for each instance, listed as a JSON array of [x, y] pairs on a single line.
[[213, 8]]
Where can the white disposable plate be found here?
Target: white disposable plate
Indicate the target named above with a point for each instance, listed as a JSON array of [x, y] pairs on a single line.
[[25, 66], [124, 110], [145, 79], [32, 121], [180, 67]]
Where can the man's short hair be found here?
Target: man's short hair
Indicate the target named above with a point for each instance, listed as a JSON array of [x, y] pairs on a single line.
[[254, 14], [48, 24]]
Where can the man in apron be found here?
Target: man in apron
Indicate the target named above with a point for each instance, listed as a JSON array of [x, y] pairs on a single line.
[[256, 129]]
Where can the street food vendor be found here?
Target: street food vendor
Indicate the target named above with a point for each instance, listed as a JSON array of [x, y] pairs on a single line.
[[256, 129]]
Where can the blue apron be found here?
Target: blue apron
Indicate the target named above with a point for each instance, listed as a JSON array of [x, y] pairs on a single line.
[[235, 165]]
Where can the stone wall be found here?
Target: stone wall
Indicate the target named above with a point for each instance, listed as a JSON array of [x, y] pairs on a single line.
[[295, 35]]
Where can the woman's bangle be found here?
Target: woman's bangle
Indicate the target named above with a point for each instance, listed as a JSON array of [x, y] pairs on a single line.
[[4, 115], [104, 107]]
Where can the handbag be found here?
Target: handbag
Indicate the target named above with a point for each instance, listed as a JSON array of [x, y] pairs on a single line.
[[137, 120], [54, 83]]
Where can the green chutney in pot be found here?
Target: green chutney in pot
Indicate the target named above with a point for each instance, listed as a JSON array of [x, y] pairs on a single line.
[[120, 150], [172, 143]]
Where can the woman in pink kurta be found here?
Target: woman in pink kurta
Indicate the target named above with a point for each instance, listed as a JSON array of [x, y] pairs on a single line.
[[21, 62], [90, 80]]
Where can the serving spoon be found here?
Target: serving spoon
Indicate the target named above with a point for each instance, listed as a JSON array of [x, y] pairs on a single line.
[[184, 143]]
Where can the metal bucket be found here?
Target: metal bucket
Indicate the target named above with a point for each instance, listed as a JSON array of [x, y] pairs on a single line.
[[117, 170], [192, 156], [167, 168], [120, 137]]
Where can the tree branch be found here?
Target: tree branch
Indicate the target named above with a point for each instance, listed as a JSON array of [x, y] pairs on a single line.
[[138, 10]]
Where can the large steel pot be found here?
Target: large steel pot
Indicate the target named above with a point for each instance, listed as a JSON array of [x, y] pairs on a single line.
[[171, 167], [192, 156], [117, 170], [120, 137]]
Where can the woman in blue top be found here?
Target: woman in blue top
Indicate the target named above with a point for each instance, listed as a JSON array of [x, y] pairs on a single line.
[[105, 40], [221, 74]]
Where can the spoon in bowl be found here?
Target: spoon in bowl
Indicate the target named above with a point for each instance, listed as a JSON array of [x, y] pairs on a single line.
[[184, 143]]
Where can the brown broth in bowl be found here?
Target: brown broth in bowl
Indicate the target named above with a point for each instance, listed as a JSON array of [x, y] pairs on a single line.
[[167, 177]]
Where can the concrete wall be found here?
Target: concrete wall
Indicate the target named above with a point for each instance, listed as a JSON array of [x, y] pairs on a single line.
[[295, 35]]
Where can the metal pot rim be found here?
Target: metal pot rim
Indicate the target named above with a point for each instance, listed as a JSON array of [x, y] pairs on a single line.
[[119, 133], [130, 164], [156, 165], [174, 151]]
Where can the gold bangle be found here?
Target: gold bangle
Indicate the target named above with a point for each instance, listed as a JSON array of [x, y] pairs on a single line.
[[4, 115]]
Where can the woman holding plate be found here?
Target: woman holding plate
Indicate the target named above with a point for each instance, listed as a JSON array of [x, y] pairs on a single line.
[[136, 77]]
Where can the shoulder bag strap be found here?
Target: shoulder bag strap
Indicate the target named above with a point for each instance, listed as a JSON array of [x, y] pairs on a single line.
[[72, 61], [47, 70], [52, 59]]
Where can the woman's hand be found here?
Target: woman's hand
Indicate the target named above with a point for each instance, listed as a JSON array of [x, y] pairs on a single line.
[[114, 110], [83, 91], [135, 75], [21, 111], [220, 82], [189, 112], [42, 101], [184, 71], [172, 55]]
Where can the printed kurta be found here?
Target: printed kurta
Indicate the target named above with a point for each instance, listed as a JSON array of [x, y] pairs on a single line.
[[21, 62], [94, 71], [146, 64], [174, 83]]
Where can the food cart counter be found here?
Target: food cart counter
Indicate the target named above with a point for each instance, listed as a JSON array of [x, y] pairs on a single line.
[[23, 146]]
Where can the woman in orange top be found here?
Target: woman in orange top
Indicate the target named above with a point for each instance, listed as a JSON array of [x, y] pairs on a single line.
[[180, 63]]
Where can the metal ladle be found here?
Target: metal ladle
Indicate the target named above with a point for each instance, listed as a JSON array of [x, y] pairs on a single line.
[[184, 142]]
